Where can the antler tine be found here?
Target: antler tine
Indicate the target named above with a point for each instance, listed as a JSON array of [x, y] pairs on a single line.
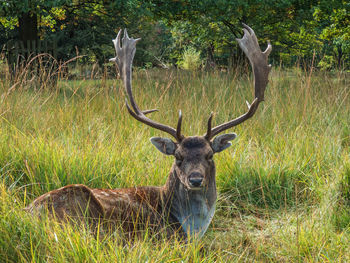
[[125, 55], [258, 60], [251, 33], [179, 136], [208, 135]]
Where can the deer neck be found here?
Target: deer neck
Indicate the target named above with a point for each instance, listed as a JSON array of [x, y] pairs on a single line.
[[193, 209]]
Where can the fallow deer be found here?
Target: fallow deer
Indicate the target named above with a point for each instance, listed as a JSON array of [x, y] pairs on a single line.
[[186, 203]]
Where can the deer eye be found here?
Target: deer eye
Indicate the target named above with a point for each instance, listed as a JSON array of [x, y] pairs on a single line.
[[179, 159], [210, 157], [178, 162]]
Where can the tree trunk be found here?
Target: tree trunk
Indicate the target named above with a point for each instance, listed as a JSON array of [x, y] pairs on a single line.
[[339, 56], [210, 63], [28, 27]]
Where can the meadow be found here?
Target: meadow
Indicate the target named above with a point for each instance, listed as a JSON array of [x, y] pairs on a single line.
[[284, 185]]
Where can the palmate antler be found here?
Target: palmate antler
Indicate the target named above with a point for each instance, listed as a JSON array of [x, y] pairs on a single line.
[[124, 59], [250, 46], [258, 60]]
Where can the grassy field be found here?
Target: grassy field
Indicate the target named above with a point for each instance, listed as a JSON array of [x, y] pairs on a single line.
[[283, 186]]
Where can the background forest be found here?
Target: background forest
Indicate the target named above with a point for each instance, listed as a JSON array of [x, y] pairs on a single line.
[[310, 31]]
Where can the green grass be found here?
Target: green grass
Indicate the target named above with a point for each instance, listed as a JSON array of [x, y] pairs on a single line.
[[284, 184]]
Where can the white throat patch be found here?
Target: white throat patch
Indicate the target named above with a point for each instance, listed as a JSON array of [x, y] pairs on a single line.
[[196, 219]]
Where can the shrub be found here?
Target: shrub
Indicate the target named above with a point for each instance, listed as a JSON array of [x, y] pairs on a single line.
[[191, 59]]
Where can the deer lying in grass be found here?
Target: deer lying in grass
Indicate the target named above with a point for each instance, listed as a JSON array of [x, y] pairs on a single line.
[[186, 203]]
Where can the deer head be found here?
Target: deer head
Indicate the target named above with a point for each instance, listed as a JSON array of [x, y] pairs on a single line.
[[194, 155], [194, 163]]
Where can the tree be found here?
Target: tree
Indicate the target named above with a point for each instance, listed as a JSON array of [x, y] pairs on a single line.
[[299, 30], [87, 26], [289, 24], [335, 33], [27, 15]]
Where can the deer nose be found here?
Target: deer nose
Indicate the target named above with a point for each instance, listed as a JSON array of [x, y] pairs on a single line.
[[196, 179]]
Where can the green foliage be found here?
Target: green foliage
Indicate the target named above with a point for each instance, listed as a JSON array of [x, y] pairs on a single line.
[[16, 7], [299, 32], [335, 32], [86, 27], [304, 33], [191, 59], [327, 62]]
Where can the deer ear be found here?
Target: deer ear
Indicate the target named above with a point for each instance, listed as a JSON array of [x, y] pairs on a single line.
[[221, 142], [164, 145]]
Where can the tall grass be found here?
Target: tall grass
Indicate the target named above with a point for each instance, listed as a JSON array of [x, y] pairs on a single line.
[[284, 184]]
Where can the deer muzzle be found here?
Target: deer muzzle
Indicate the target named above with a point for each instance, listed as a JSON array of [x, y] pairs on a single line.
[[196, 179]]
